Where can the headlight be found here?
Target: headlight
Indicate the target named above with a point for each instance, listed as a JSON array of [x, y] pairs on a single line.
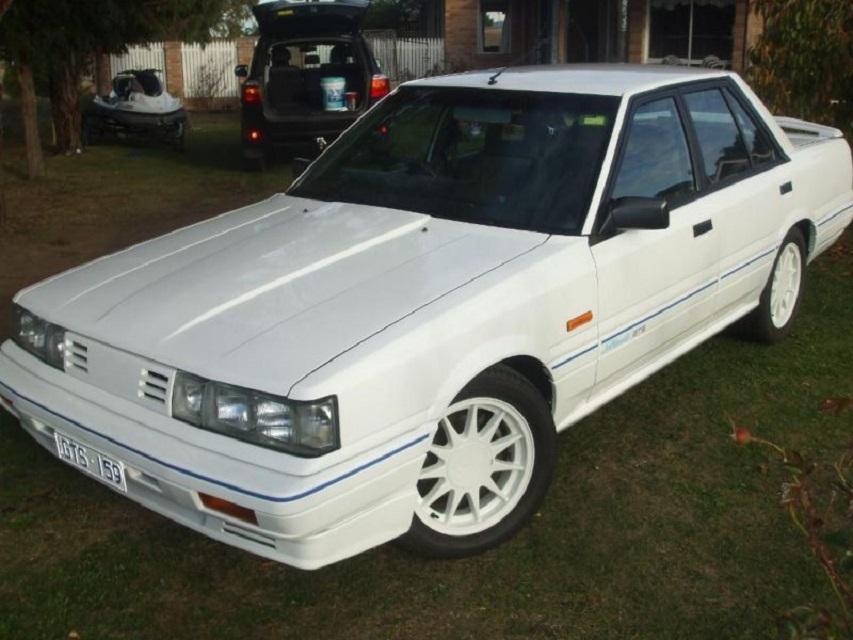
[[301, 428], [44, 340]]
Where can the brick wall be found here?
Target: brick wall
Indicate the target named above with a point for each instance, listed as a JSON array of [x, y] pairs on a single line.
[[174, 69], [103, 80], [747, 30], [637, 18], [245, 50], [462, 49]]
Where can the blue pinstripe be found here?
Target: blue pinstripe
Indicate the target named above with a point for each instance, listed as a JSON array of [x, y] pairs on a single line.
[[221, 483]]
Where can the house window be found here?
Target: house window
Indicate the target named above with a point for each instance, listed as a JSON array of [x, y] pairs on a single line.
[[691, 30], [494, 26]]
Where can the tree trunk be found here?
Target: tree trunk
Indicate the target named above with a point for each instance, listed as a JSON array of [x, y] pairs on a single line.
[[4, 6], [29, 114], [65, 104]]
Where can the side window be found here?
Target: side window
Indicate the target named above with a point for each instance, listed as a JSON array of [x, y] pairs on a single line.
[[759, 147], [719, 139], [656, 162]]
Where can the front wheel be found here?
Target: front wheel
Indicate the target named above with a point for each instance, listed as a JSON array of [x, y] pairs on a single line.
[[780, 301], [488, 468]]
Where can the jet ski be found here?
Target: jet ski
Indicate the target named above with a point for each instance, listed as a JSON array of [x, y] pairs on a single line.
[[138, 107]]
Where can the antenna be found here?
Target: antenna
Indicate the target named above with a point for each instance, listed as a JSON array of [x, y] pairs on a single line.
[[494, 78]]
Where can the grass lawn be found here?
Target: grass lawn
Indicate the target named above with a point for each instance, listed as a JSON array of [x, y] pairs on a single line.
[[657, 525]]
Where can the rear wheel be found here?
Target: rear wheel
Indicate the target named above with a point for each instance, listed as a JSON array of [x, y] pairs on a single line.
[[780, 300], [488, 468], [254, 165]]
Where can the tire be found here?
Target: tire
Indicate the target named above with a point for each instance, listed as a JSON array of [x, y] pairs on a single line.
[[780, 300], [254, 165], [467, 506]]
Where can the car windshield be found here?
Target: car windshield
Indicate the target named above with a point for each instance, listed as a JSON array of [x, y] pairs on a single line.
[[513, 159]]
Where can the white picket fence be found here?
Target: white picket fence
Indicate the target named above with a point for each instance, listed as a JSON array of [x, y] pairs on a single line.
[[406, 58], [208, 70], [146, 56]]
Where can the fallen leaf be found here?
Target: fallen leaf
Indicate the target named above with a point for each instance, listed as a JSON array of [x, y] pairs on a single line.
[[834, 406]]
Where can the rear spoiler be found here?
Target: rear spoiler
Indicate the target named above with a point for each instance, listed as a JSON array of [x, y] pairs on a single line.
[[801, 132]]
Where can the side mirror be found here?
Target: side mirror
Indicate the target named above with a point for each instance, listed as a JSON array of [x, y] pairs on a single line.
[[639, 213], [241, 71], [299, 165]]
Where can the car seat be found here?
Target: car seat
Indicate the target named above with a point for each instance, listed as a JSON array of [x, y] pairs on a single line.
[[285, 85]]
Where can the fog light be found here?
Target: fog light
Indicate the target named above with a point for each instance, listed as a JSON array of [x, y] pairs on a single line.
[[229, 508]]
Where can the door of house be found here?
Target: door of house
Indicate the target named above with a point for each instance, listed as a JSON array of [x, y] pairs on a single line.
[[596, 31]]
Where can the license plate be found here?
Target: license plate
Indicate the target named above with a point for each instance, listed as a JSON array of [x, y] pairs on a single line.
[[90, 461]]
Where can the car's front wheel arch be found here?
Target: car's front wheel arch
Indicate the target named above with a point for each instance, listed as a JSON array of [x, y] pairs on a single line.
[[488, 467]]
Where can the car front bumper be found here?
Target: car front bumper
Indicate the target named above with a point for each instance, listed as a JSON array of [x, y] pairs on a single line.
[[304, 520]]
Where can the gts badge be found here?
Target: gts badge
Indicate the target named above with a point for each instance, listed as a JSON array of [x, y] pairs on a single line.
[[618, 340]]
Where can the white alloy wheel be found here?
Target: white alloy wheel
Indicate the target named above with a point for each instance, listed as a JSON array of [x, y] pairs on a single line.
[[478, 467], [785, 287]]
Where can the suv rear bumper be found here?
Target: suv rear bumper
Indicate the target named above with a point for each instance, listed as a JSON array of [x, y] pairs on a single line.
[[292, 132], [304, 521]]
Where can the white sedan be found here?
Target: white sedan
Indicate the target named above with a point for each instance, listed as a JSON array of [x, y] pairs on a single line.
[[390, 348]]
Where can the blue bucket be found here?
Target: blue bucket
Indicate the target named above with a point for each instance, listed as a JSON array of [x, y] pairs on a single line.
[[334, 89]]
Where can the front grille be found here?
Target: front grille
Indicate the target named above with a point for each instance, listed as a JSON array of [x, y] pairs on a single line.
[[154, 386], [76, 355]]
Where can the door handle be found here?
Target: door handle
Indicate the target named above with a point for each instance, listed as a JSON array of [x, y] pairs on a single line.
[[702, 228], [788, 187]]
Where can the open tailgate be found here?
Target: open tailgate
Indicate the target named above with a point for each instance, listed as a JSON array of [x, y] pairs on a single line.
[[301, 18]]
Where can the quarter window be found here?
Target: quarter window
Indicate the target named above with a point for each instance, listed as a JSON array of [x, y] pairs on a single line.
[[656, 163], [720, 142], [759, 148]]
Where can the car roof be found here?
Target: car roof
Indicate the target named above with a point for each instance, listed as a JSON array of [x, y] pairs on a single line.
[[595, 79]]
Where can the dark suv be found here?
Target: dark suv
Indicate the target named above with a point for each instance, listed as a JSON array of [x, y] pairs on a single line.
[[301, 43]]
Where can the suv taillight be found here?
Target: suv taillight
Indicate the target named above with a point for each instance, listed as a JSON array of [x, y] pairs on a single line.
[[251, 93], [380, 86]]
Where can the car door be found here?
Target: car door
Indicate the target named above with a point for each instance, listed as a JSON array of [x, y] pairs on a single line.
[[747, 190], [656, 287]]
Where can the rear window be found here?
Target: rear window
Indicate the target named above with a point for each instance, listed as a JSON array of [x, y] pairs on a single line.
[[303, 55], [313, 55], [506, 158]]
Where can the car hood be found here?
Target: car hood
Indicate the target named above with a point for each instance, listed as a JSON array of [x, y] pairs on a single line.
[[264, 295]]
